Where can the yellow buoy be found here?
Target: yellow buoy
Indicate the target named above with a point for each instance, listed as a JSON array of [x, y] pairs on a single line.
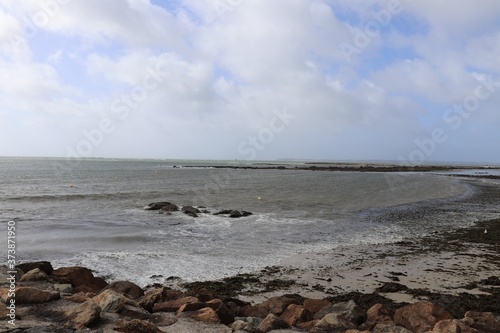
[[259, 198]]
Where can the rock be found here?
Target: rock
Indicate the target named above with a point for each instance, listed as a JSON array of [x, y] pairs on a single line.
[[192, 307], [235, 214], [452, 326], [173, 305], [238, 325], [223, 212], [135, 312], [151, 297], [191, 211], [389, 328], [306, 326], [5, 276], [110, 301], [206, 315], [225, 314], [379, 314], [391, 287], [484, 322], [204, 295], [275, 305], [295, 314], [63, 288], [169, 208], [126, 288], [272, 322], [4, 311], [356, 331], [34, 275], [420, 317], [348, 310], [80, 297], [157, 205], [29, 295], [334, 321], [83, 315], [245, 213], [135, 326], [315, 305], [44, 266], [81, 279]]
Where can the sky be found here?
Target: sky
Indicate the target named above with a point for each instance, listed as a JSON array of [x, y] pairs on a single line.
[[401, 80]]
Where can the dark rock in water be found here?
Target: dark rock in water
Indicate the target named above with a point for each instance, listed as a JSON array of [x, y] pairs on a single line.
[[81, 279], [245, 213], [169, 208], [224, 211], [157, 205], [44, 266], [129, 289], [235, 213], [191, 211]]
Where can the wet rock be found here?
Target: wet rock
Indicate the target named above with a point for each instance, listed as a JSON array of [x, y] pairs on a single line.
[[420, 317], [347, 310], [272, 322], [389, 328], [169, 208], [110, 301], [334, 321], [223, 212], [29, 295], [173, 305], [44, 266], [308, 325], [225, 314], [315, 305], [80, 297], [452, 326], [81, 279], [157, 205], [295, 314], [5, 276], [379, 314], [135, 325], [126, 288], [235, 214], [151, 297], [63, 288], [135, 312], [34, 275], [191, 211], [83, 315], [484, 322], [275, 305], [206, 315]]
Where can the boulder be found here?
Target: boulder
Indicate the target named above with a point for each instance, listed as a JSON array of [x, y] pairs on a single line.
[[347, 310], [245, 213], [126, 288], [34, 275], [157, 205], [173, 305], [238, 325], [151, 297], [110, 301], [81, 279], [191, 211], [135, 312], [135, 325], [169, 208], [83, 315], [4, 311], [44, 266], [223, 212], [63, 288], [225, 314], [80, 297], [295, 314], [389, 328], [452, 326], [235, 214], [206, 315], [379, 314], [420, 317], [484, 322], [5, 275], [29, 295], [308, 325], [272, 322], [334, 321], [316, 305]]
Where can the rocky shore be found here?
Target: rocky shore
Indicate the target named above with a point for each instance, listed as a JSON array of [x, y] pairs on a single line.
[[369, 295]]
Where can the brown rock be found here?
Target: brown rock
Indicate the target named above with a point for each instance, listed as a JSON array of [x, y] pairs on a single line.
[[29, 295], [356, 331], [126, 288], [83, 315], [204, 295], [252, 311], [80, 297], [81, 279], [315, 305], [347, 310], [274, 305], [171, 295], [379, 314], [34, 275], [420, 317], [308, 324], [334, 321], [225, 314], [151, 297], [4, 311], [295, 314], [110, 301], [206, 315], [44, 266], [135, 326], [192, 307], [452, 326], [389, 328], [272, 322], [174, 305], [485, 322], [135, 312]]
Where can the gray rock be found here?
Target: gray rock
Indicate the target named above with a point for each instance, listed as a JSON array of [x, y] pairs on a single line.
[[63, 288]]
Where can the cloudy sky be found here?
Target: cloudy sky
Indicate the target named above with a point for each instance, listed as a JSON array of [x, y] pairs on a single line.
[[414, 81]]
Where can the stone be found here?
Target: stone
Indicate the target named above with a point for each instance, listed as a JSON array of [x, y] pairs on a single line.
[[235, 214], [44, 266], [452, 326], [29, 295], [135, 312], [420, 317], [157, 205], [63, 288], [295, 314], [191, 211], [348, 310], [356, 331], [389, 328], [334, 321], [136, 325], [5, 275], [80, 297], [484, 322], [238, 325], [126, 288], [110, 301], [275, 305], [316, 305], [223, 212], [306, 326], [151, 297], [169, 208], [81, 279], [206, 315], [4, 311], [192, 307], [83, 315], [173, 305], [34, 275], [225, 314], [379, 314], [272, 322]]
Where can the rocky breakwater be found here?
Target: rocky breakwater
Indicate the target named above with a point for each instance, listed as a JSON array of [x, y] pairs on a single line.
[[72, 299], [165, 207]]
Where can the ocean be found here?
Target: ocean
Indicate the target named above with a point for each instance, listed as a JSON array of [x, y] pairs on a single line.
[[91, 213]]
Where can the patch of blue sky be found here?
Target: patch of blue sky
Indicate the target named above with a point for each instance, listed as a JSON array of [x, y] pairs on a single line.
[[177, 6]]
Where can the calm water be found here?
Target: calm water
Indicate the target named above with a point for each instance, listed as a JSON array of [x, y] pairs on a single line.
[[91, 213]]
